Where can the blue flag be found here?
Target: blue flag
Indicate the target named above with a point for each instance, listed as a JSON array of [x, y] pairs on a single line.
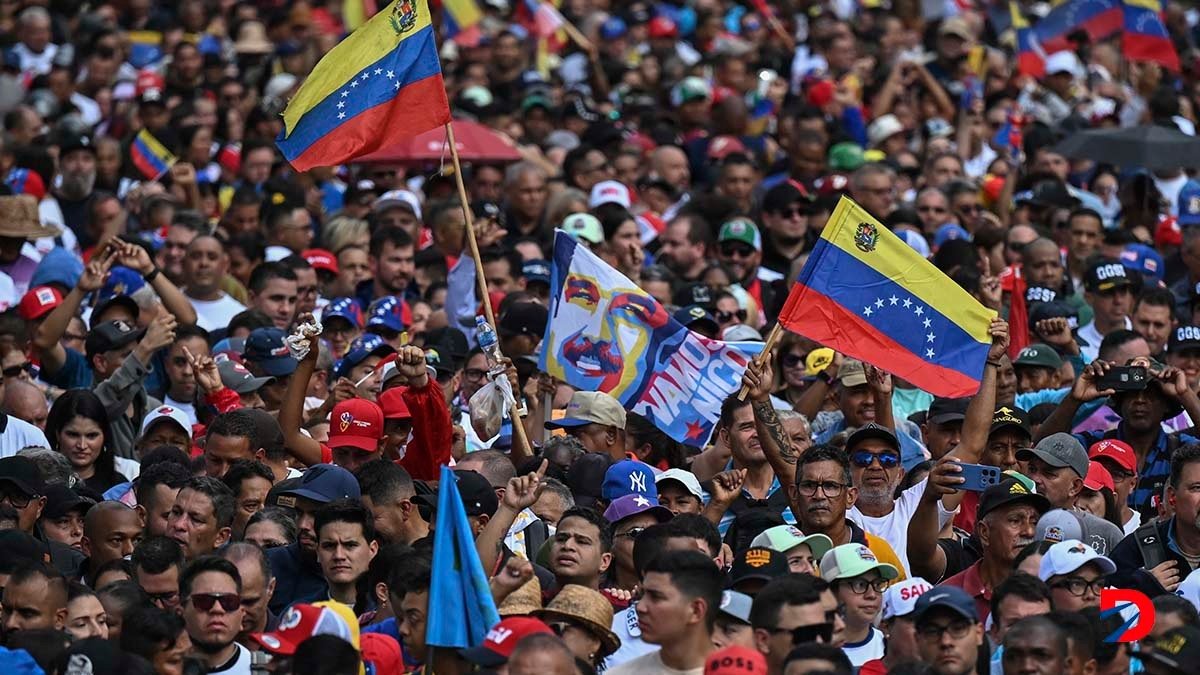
[[607, 334], [461, 609]]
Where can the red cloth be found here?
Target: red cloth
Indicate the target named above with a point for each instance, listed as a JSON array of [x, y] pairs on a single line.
[[873, 667], [224, 400], [432, 433], [970, 581]]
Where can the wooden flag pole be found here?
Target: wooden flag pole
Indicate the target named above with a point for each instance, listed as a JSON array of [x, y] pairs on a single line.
[[520, 439], [772, 338]]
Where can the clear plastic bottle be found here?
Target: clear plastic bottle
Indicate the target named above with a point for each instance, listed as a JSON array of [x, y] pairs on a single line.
[[489, 342]]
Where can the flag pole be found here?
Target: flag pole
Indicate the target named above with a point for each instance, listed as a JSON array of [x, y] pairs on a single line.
[[520, 439], [772, 338]]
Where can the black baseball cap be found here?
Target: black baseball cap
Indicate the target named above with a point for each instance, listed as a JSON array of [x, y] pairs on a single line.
[[696, 317], [19, 548], [1107, 274], [324, 483], [784, 195], [22, 473], [61, 500], [586, 476], [693, 294], [110, 336], [477, 494], [758, 562], [1014, 417], [872, 430], [1184, 337], [523, 318], [947, 410], [1009, 491], [1175, 649]]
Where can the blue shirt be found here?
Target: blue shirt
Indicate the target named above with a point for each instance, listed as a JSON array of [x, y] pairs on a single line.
[[74, 374]]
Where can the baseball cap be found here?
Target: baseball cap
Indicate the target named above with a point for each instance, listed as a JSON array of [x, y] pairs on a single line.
[[1064, 62], [1118, 451], [398, 198], [590, 407], [735, 660], [368, 344], [58, 266], [721, 147], [22, 473], [391, 401], [757, 562], [1177, 648], [883, 128], [1038, 355], [871, 430], [685, 478], [1144, 260], [1067, 556], [689, 89], [817, 361], [740, 332], [1059, 450], [325, 483], [122, 282], [357, 423], [696, 317], [171, 413], [61, 500], [950, 232], [1105, 275], [536, 272], [1098, 477], [784, 195], [783, 538], [385, 312], [846, 157], [583, 227], [110, 336], [956, 26], [299, 623], [1189, 204], [266, 349], [38, 302], [629, 477], [1058, 525], [946, 410], [502, 639], [320, 259], [900, 599], [1006, 492], [736, 605], [742, 230], [1183, 337], [627, 506], [852, 373], [477, 494], [952, 598], [1006, 417], [523, 318], [235, 376], [613, 28], [609, 192], [853, 560]]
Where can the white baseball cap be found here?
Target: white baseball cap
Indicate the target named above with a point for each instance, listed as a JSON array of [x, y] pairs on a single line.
[[1064, 62], [169, 412], [398, 198], [900, 599], [1068, 556], [687, 478], [609, 191]]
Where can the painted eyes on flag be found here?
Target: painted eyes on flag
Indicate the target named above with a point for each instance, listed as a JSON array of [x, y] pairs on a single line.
[[636, 308], [582, 292]]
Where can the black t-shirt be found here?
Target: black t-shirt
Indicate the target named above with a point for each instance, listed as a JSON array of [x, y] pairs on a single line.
[[960, 554]]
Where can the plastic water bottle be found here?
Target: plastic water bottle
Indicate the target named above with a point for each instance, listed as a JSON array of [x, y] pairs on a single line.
[[488, 341]]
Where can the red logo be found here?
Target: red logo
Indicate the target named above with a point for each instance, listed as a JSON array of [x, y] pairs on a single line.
[[1116, 600]]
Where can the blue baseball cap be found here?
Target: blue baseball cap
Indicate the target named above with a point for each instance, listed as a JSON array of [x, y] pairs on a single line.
[[536, 271], [343, 308], [1144, 260], [266, 349], [952, 598], [360, 348], [324, 483], [58, 266], [629, 477], [949, 232], [613, 28], [385, 313], [697, 317], [1189, 204], [122, 282]]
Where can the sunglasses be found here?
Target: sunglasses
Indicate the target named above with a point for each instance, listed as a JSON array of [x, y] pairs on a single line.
[[737, 251], [863, 459], [632, 533], [726, 317], [819, 632], [791, 360], [793, 212], [15, 371], [205, 601]]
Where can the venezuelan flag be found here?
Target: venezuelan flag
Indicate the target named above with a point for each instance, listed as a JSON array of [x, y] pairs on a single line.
[[381, 84], [1145, 37], [1099, 18], [1030, 58], [150, 156], [460, 20], [865, 293], [145, 48]]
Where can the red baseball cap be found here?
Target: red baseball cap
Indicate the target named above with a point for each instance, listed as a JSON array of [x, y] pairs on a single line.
[[301, 622], [320, 259], [1118, 451], [393, 405], [735, 660], [38, 301], [501, 639], [382, 652], [662, 27], [1098, 477], [357, 423]]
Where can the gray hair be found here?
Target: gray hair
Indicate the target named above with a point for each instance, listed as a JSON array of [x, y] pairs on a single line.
[[32, 13], [870, 169], [244, 550], [514, 172], [559, 488], [785, 415], [54, 466], [280, 517]]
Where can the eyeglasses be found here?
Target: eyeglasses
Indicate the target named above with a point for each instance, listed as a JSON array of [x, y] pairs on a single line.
[[1016, 246], [166, 598], [474, 374], [808, 488], [738, 251], [860, 586], [791, 360], [817, 632], [933, 631], [16, 500], [726, 317], [205, 601], [1079, 587], [970, 208], [928, 209], [1119, 475], [272, 544], [794, 212], [15, 371], [864, 458], [632, 532]]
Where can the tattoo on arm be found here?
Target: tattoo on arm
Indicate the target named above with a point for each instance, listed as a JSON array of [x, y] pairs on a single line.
[[764, 412]]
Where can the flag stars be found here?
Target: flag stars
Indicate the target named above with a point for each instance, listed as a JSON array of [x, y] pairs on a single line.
[[391, 75], [867, 311], [893, 300], [379, 71], [929, 353], [930, 337], [341, 116], [919, 310], [365, 76], [353, 83], [879, 302], [907, 303], [396, 86], [928, 323], [345, 94], [341, 104]]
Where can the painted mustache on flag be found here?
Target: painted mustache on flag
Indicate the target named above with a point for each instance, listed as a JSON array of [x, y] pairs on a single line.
[[579, 347]]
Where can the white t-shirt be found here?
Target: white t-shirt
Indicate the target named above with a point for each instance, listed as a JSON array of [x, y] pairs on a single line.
[[275, 253], [867, 650], [37, 64], [130, 468], [650, 664], [187, 408], [1133, 523], [214, 314], [625, 625], [893, 528], [1094, 338], [16, 434], [239, 665]]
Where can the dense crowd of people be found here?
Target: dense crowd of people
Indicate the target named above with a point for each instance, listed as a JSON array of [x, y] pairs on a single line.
[[229, 387]]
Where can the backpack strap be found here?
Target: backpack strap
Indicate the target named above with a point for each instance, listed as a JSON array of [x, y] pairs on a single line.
[[1150, 543]]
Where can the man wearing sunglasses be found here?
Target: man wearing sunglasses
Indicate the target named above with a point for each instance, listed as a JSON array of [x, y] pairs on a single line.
[[785, 212], [740, 248], [1075, 574], [790, 611], [210, 589], [858, 580], [949, 635]]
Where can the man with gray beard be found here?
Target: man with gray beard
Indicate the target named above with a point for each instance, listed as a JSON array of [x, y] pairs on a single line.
[[77, 170]]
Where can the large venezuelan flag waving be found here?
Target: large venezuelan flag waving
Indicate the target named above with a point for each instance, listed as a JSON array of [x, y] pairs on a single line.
[[379, 85], [867, 294]]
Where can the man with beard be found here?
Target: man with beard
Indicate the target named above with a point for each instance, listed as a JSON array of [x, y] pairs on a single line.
[[740, 248], [77, 169], [391, 260], [211, 589], [685, 244], [204, 265]]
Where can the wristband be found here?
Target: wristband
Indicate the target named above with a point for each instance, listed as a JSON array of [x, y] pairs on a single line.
[[150, 276], [829, 379], [993, 363]]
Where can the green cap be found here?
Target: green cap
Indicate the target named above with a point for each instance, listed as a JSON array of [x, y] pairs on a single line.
[[783, 538], [743, 230], [690, 89], [583, 227], [1039, 355], [846, 157], [853, 560]]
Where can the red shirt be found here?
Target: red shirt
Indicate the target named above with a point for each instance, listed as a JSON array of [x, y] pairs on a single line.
[[970, 581]]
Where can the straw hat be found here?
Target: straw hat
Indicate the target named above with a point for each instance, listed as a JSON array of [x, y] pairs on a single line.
[[19, 219], [525, 600], [252, 39], [587, 607]]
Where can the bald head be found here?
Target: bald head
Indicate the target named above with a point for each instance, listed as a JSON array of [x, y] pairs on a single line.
[[541, 654], [671, 164], [25, 402], [110, 532]]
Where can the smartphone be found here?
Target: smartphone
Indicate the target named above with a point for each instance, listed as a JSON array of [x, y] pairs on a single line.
[[1124, 378], [978, 477]]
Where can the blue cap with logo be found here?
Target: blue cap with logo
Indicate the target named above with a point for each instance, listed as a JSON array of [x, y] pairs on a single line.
[[629, 477], [952, 598], [536, 271], [324, 483], [1189, 204], [266, 349], [362, 347], [385, 313], [1144, 260], [343, 308]]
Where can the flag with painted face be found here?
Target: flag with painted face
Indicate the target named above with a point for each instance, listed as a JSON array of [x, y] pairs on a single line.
[[606, 334]]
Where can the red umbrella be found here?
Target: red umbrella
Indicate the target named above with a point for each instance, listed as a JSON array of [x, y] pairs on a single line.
[[476, 143]]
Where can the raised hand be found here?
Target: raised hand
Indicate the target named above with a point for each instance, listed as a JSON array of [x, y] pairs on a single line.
[[204, 368], [999, 332], [523, 491], [758, 379], [1086, 387]]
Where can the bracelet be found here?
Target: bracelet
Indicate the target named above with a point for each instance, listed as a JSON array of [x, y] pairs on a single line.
[[829, 379], [993, 363], [150, 276]]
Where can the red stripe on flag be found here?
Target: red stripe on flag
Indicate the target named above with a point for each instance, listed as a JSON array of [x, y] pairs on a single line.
[[838, 328]]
